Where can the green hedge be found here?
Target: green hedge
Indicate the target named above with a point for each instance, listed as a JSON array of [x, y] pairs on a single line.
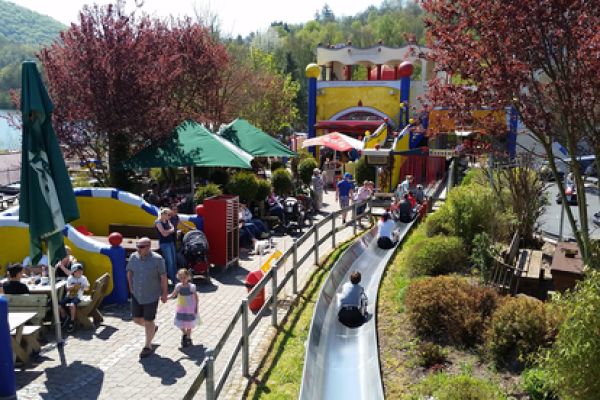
[[306, 168], [282, 182], [243, 184], [442, 386], [437, 255]]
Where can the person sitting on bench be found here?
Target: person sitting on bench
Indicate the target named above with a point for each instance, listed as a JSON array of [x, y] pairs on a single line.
[[352, 303], [386, 237], [14, 284]]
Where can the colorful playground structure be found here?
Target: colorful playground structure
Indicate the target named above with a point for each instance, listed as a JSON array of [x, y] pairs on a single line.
[[374, 95]]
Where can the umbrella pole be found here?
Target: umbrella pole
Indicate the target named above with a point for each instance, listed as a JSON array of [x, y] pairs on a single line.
[[54, 296]]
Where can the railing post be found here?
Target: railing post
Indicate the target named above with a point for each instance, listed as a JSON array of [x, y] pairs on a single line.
[[295, 267], [333, 217], [274, 297], [210, 375], [354, 219], [316, 247], [245, 340]]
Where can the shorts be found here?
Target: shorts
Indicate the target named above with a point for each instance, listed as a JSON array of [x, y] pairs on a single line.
[[351, 317], [146, 311], [385, 243], [69, 300], [344, 201]]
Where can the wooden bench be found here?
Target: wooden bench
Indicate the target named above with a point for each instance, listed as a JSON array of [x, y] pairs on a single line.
[[134, 231], [88, 307], [37, 303], [29, 338]]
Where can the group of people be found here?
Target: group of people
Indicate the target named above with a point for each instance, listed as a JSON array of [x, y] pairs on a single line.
[[67, 268], [345, 192]]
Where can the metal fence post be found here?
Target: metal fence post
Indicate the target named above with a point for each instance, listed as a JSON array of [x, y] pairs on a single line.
[[210, 375], [245, 340], [295, 267], [274, 298], [333, 216], [354, 219], [316, 247]]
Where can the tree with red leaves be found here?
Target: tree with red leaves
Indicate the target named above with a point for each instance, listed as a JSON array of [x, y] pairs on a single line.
[[121, 81], [538, 56]]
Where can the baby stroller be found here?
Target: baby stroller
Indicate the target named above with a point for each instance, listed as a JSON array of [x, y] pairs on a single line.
[[195, 251], [293, 214]]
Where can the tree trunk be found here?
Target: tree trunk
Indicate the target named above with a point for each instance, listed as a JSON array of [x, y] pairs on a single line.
[[118, 151]]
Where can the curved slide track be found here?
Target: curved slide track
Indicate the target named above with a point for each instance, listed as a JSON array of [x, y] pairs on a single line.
[[340, 362]]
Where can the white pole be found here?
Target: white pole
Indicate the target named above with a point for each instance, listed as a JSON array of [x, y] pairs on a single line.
[[54, 296]]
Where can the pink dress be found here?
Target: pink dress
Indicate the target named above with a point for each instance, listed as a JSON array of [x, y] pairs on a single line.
[[186, 316]]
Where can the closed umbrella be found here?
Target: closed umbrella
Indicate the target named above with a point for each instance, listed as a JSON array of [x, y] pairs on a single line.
[[46, 200], [336, 141]]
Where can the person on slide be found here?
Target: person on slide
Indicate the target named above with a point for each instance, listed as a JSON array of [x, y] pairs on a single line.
[[352, 303], [386, 237]]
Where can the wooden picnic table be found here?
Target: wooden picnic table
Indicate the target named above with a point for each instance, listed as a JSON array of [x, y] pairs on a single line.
[[16, 323], [567, 266], [39, 288]]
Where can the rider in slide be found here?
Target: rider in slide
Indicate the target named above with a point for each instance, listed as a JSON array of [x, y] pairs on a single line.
[[352, 303]]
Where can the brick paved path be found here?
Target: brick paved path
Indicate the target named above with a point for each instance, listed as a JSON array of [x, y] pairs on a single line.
[[105, 364]]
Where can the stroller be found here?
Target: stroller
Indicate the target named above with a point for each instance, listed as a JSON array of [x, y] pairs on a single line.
[[293, 214], [195, 251]]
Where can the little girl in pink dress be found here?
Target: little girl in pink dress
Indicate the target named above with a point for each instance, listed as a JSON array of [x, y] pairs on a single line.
[[186, 317]]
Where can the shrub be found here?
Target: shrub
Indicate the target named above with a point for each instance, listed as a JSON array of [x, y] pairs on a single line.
[[430, 354], [282, 182], [275, 165], [449, 309], [442, 386], [537, 384], [263, 189], [482, 255], [219, 176], [574, 358], [518, 329], [468, 212], [243, 184], [203, 192], [364, 172], [306, 168], [437, 255]]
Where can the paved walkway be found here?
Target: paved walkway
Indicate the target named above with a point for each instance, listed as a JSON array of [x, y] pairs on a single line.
[[104, 364]]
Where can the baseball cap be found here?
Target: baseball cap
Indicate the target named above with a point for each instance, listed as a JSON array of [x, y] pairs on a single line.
[[347, 175], [76, 267]]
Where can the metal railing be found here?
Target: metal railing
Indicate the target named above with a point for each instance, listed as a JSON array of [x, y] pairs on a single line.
[[277, 283]]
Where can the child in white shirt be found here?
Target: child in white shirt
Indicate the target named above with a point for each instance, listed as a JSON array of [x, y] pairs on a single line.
[[77, 283]]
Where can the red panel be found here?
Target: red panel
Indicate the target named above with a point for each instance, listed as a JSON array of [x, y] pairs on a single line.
[[221, 226]]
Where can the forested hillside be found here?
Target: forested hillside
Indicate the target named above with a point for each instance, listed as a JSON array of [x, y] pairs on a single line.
[[22, 31]]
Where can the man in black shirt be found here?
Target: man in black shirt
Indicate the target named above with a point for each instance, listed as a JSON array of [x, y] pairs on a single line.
[[14, 285]]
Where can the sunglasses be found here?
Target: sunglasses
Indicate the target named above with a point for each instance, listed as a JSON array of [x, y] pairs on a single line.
[[142, 246]]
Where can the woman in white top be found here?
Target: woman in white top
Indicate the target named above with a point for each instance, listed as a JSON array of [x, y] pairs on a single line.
[[386, 237]]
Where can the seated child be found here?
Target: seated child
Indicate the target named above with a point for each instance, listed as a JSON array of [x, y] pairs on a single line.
[[14, 285], [76, 284]]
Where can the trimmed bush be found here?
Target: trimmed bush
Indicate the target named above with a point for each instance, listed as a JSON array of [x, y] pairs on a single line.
[[430, 354], [243, 184], [364, 172], [574, 358], [437, 255], [219, 176], [282, 182], [306, 168], [538, 385], [449, 309], [263, 189], [442, 386], [203, 192], [519, 327]]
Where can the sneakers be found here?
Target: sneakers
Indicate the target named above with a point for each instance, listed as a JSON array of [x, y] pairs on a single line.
[[70, 326], [146, 351], [186, 341]]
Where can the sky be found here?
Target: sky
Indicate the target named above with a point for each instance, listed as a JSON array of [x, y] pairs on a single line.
[[236, 16]]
